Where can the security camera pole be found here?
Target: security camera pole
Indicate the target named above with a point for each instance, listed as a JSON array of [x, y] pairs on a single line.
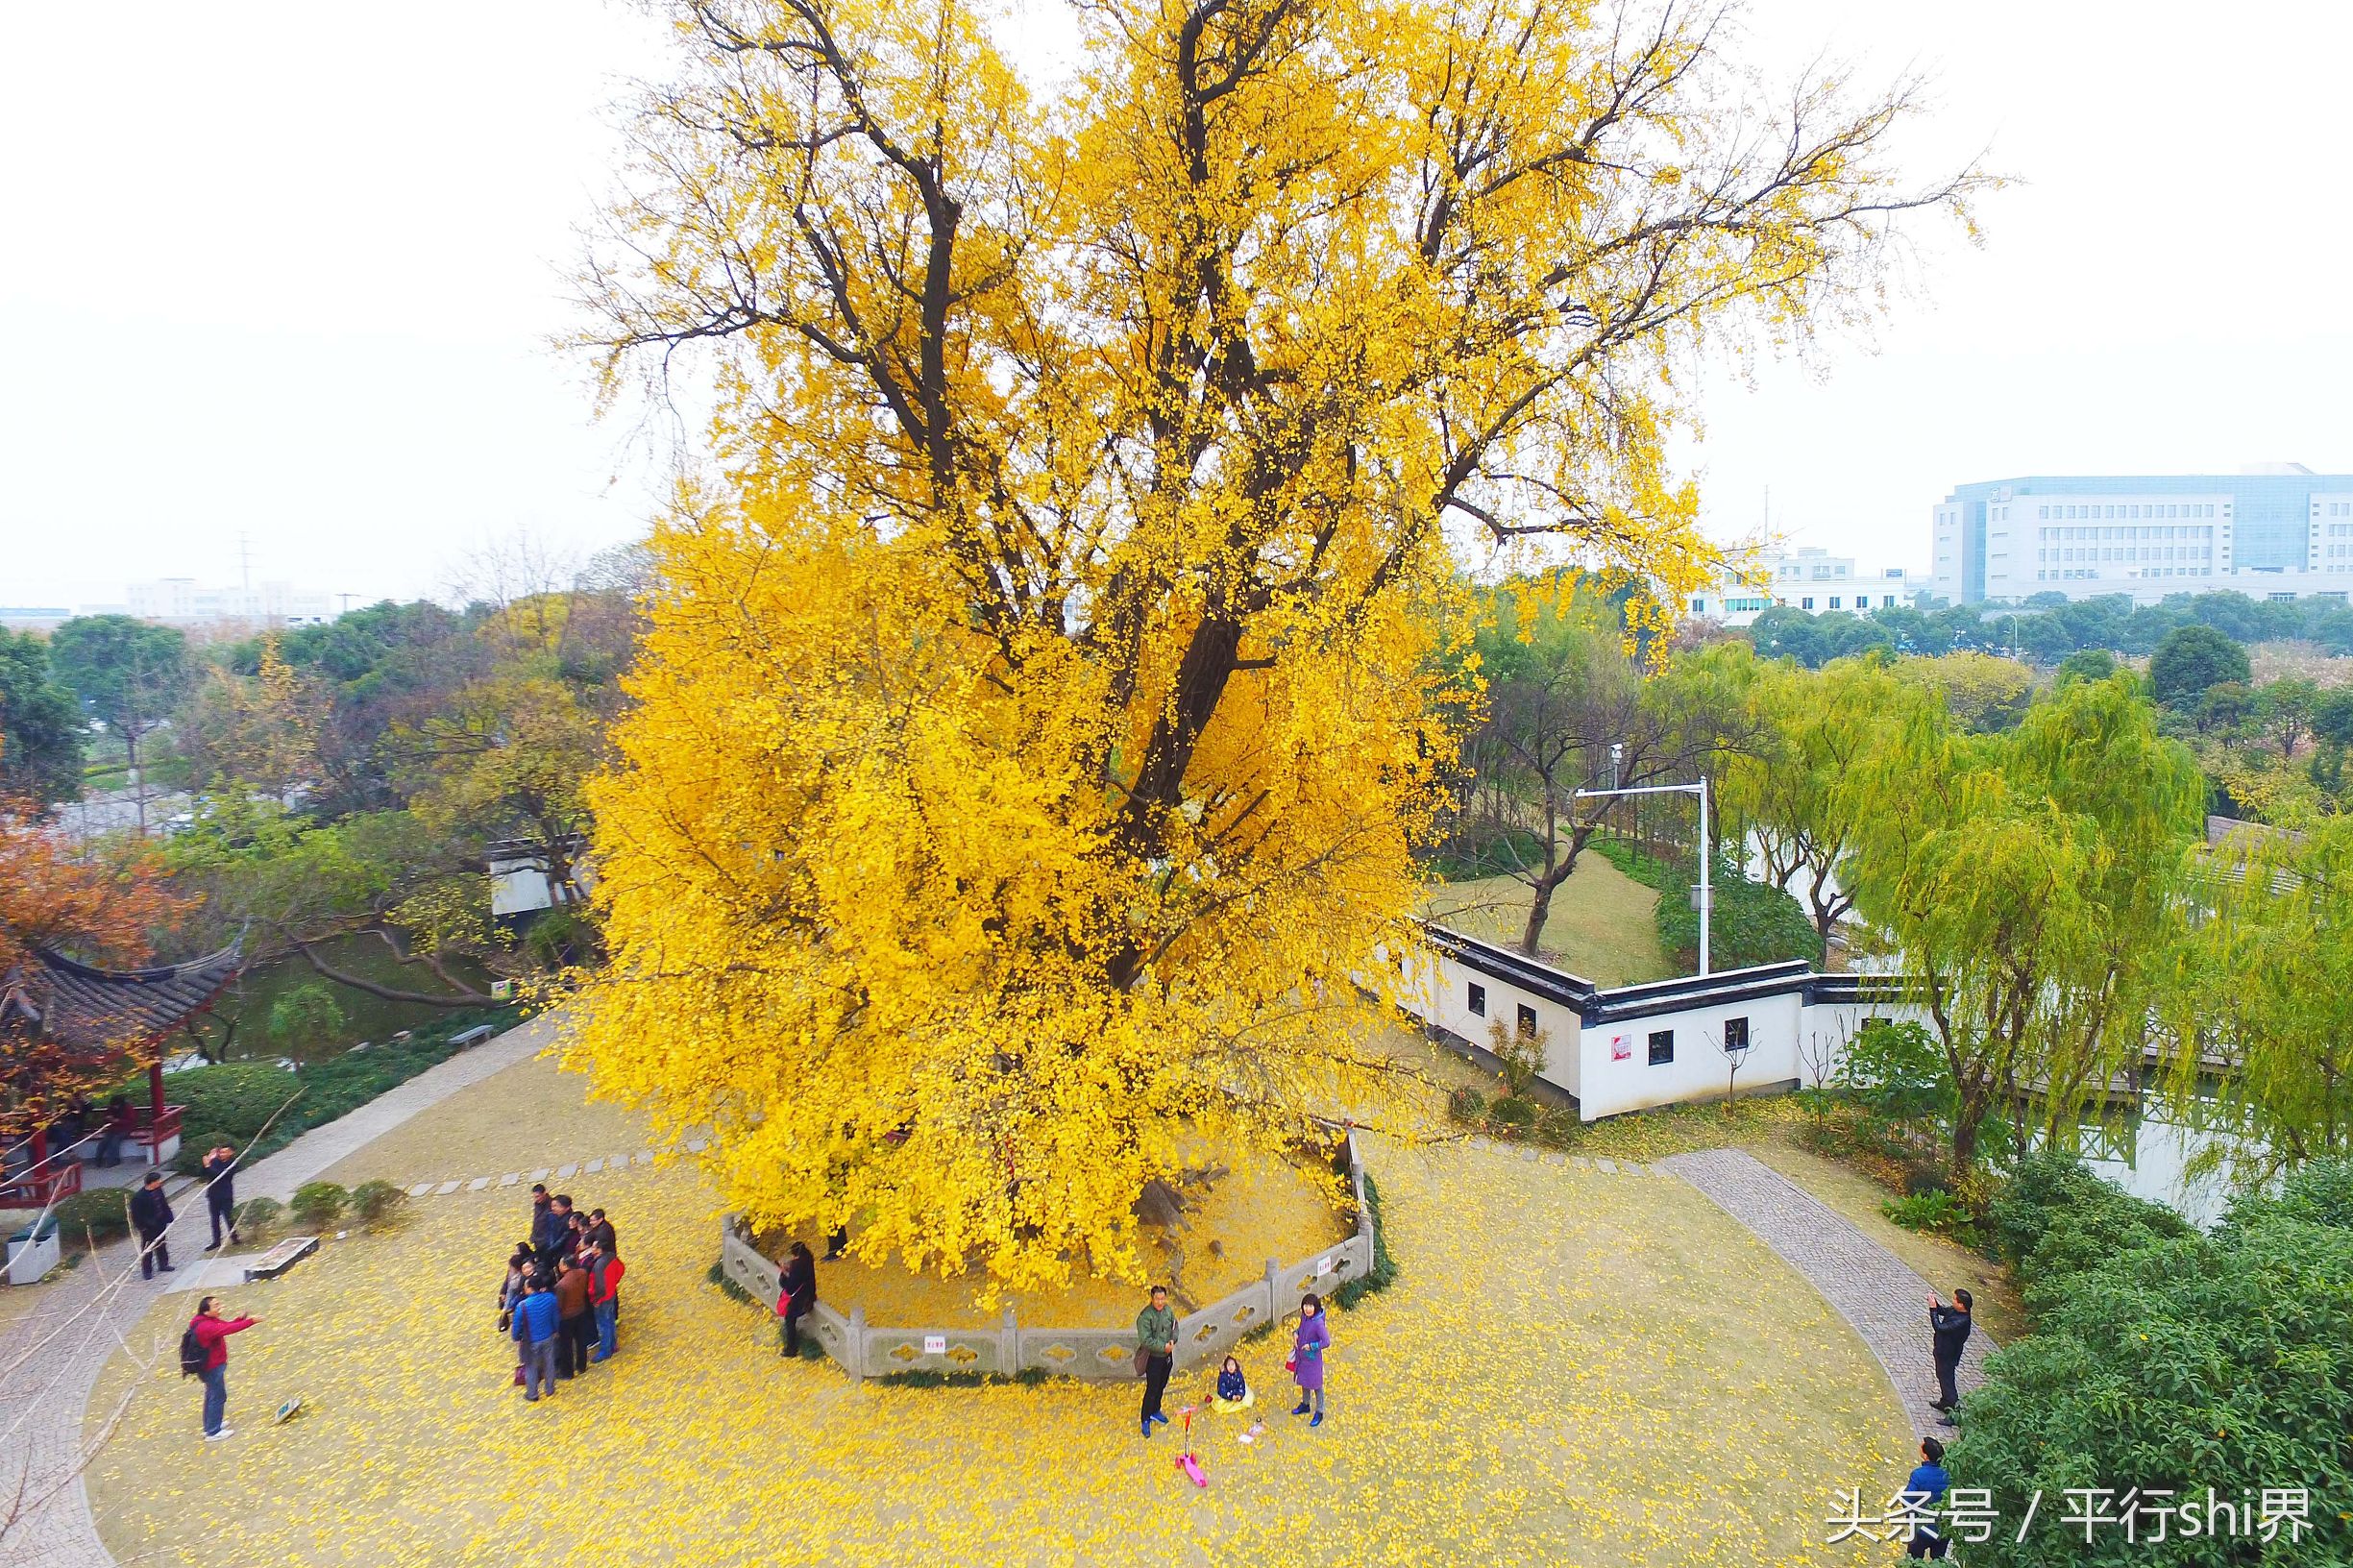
[[1704, 895]]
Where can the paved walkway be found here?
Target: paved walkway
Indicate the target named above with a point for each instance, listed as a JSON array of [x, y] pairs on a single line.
[[50, 1359], [1886, 1302]]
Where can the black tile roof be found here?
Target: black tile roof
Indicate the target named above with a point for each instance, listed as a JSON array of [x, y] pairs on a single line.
[[79, 1005]]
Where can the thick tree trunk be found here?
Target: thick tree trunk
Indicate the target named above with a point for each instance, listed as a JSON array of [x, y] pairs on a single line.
[[1538, 912]]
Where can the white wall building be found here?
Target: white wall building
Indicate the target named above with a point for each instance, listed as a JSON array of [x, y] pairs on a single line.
[[270, 604], [1659, 1043], [2275, 531], [1809, 579]]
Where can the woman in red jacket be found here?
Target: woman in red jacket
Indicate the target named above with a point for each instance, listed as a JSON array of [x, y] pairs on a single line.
[[212, 1332], [604, 1272]]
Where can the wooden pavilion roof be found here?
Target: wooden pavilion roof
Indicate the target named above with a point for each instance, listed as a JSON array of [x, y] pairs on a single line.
[[79, 1005]]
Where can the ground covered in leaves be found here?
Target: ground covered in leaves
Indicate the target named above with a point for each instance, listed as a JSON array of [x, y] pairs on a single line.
[[1574, 1367], [1231, 1225]]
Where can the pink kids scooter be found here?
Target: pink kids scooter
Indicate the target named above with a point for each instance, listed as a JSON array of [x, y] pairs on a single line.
[[1188, 1461]]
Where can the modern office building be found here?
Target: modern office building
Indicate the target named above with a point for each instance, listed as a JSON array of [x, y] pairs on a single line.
[[2275, 531], [1809, 579]]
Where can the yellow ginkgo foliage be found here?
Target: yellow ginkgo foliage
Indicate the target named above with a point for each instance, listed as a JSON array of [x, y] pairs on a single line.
[[1044, 691]]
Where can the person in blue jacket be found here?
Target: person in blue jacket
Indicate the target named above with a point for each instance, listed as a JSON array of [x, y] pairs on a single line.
[[1924, 1491], [538, 1326]]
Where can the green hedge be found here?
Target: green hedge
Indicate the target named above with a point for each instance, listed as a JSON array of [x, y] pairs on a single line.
[[101, 1214], [2164, 1359], [231, 1102]]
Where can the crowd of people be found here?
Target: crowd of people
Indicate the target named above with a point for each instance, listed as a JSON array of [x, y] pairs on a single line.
[[560, 1300]]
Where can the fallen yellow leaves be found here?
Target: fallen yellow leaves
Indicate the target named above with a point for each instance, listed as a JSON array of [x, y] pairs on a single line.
[[1574, 1368]]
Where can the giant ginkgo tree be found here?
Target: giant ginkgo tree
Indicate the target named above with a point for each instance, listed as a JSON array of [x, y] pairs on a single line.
[[1036, 722]]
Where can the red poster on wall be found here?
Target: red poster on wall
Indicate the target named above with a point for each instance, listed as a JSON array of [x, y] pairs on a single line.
[[1621, 1047]]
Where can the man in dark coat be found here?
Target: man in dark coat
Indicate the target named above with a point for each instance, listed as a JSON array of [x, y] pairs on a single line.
[[1950, 1328], [221, 1195], [151, 1216]]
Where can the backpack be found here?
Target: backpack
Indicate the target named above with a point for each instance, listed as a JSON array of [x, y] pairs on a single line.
[[191, 1353]]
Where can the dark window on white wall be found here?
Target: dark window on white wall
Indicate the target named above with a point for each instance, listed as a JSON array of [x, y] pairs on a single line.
[[1663, 1047], [1479, 1001], [1527, 1019], [1735, 1033]]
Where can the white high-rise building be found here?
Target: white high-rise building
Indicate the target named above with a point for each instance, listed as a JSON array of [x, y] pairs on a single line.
[[2277, 530]]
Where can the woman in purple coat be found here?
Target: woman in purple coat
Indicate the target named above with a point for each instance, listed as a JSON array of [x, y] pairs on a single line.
[[1308, 1348]]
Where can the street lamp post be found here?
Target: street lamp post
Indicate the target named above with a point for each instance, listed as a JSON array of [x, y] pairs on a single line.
[[1707, 892]]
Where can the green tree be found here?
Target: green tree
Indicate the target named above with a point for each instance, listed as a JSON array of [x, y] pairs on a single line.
[[2226, 710], [296, 883], [2191, 661], [2332, 718], [40, 725], [1788, 794], [305, 1020], [2030, 885], [128, 672], [2284, 708], [2088, 664], [2275, 995]]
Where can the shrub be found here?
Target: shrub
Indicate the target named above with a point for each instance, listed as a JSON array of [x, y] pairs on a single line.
[[1466, 1105], [1934, 1212], [1512, 1113], [1557, 1124], [97, 1215], [376, 1202], [193, 1144], [318, 1205], [2054, 1218], [1896, 1073], [1921, 1180], [236, 1099], [2167, 1360], [1521, 1051], [307, 1021], [258, 1218], [1751, 924]]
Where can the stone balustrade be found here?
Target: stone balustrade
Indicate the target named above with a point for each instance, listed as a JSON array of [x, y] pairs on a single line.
[[1106, 1354]]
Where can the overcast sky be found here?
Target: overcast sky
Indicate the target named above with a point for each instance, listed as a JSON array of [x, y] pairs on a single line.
[[288, 273]]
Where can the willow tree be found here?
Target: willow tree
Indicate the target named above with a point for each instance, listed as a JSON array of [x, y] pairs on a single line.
[[1035, 725], [2032, 886], [2274, 998], [1789, 790]]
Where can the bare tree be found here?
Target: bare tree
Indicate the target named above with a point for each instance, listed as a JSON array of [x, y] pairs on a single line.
[[1571, 706]]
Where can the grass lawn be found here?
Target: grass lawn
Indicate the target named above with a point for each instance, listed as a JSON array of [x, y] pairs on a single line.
[[1572, 1367], [1772, 1127], [1600, 926]]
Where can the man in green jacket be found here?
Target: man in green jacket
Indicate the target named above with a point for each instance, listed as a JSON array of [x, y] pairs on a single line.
[[1156, 1333]]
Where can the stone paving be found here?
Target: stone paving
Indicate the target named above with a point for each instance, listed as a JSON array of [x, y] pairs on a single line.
[[1885, 1302], [50, 1358]]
